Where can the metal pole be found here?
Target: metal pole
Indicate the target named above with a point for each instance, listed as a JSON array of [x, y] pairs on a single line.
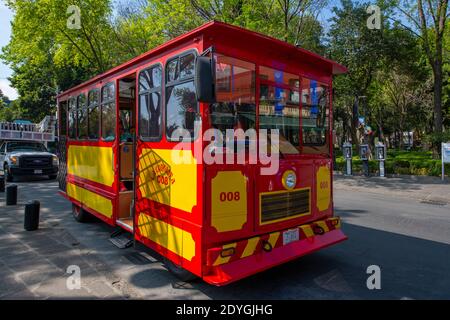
[[349, 168], [366, 168], [443, 164], [382, 172]]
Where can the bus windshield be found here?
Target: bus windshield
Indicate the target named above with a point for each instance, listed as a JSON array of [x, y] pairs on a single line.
[[302, 125]]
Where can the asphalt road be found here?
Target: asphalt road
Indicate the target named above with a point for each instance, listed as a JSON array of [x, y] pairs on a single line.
[[408, 240]]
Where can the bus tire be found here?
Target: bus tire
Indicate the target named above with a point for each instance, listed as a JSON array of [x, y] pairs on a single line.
[[52, 177], [80, 215], [179, 272]]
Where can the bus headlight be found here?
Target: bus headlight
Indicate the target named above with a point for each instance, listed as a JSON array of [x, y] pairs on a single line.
[[55, 161], [14, 160]]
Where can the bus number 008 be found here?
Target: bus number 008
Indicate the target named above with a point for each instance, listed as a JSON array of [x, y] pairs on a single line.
[[230, 196], [324, 185]]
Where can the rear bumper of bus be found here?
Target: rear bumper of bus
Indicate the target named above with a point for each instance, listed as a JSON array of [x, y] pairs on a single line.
[[238, 260]]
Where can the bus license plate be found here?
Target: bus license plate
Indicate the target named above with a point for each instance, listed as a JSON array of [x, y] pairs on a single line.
[[290, 236], [37, 171]]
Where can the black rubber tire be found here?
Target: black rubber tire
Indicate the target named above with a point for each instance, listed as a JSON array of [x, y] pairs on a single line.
[[52, 177], [80, 214], [8, 176], [179, 272]]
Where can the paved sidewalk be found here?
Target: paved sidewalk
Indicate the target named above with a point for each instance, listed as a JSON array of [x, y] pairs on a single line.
[[33, 265], [423, 189]]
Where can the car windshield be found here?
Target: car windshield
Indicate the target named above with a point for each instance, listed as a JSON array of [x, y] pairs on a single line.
[[25, 146]]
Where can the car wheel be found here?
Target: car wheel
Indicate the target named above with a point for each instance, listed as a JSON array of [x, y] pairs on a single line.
[[52, 176], [8, 176], [80, 214], [179, 272]]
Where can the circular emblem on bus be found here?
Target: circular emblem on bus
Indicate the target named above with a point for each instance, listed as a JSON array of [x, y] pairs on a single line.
[[289, 179]]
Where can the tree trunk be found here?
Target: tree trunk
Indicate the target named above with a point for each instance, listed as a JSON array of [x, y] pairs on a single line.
[[438, 98]]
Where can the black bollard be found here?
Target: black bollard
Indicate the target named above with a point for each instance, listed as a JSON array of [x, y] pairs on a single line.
[[2, 184], [11, 195], [31, 221]]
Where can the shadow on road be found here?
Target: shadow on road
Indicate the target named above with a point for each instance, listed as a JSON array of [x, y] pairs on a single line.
[[411, 268]]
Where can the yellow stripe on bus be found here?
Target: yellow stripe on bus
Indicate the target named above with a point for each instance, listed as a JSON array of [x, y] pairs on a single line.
[[168, 236], [91, 163], [250, 247], [273, 238], [222, 260], [90, 199], [308, 231]]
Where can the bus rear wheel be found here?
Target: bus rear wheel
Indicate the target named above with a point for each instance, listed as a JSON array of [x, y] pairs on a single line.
[[179, 272], [80, 214]]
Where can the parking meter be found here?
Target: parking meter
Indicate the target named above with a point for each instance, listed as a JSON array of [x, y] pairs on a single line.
[[348, 155], [380, 150], [364, 155]]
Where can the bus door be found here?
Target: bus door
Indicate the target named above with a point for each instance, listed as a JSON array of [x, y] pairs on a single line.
[[126, 151]]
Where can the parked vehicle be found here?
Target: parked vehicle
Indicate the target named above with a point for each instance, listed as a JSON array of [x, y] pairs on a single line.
[[119, 144], [27, 158]]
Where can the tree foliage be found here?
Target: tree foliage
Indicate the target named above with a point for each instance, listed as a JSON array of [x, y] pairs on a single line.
[[392, 71]]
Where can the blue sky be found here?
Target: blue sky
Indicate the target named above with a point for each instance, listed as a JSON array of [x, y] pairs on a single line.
[[5, 32]]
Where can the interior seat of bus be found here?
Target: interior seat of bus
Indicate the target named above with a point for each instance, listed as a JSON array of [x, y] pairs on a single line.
[[127, 125]]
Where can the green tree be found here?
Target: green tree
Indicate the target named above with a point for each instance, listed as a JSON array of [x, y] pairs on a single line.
[[429, 23], [378, 62]]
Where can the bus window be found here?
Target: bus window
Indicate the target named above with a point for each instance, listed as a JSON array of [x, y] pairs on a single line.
[[72, 117], [315, 114], [235, 92], [94, 116], [63, 118], [108, 113], [82, 117], [279, 107], [150, 82], [181, 103]]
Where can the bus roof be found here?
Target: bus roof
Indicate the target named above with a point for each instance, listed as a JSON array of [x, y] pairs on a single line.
[[211, 27]]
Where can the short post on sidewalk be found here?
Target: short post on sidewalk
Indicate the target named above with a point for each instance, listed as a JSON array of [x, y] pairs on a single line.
[[11, 195], [2, 183], [445, 157], [364, 155], [381, 157], [348, 155], [31, 221]]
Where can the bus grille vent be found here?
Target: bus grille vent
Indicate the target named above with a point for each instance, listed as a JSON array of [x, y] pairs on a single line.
[[284, 205]]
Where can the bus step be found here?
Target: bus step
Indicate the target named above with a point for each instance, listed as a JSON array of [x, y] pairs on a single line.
[[122, 242], [116, 232]]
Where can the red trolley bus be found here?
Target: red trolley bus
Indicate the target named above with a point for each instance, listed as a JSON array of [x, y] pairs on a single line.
[[120, 151]]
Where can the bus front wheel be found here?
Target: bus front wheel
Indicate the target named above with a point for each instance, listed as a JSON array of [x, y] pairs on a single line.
[[179, 272], [80, 215]]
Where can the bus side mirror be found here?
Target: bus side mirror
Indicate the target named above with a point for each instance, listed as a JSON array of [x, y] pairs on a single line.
[[204, 80]]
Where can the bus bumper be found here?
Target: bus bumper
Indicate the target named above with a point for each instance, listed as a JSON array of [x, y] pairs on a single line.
[[268, 253]]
